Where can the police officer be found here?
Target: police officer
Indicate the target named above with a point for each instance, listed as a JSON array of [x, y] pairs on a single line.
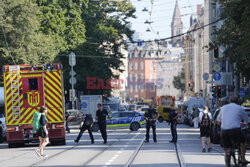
[[101, 120], [173, 121], [151, 115], [87, 125]]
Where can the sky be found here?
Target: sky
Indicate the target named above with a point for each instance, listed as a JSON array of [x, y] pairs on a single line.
[[162, 14]]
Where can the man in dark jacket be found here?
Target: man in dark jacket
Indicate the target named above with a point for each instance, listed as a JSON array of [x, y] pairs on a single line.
[[173, 122], [151, 115], [87, 125], [101, 115]]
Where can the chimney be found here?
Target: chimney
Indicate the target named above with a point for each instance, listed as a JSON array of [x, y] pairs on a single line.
[[199, 10]]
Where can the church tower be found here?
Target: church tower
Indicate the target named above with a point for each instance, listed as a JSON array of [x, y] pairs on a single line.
[[176, 26]]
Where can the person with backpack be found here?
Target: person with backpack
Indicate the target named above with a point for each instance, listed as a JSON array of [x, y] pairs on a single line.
[[205, 118], [87, 125], [39, 124]]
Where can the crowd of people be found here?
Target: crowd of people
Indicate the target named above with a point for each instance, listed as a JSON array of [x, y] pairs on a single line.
[[232, 117]]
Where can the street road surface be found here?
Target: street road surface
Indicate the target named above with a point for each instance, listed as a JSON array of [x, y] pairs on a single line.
[[124, 148]]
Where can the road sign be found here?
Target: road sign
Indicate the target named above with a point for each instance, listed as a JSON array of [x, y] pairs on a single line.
[[217, 76], [72, 59], [213, 101], [139, 43], [72, 73], [217, 68], [72, 94], [205, 76], [210, 82], [72, 79], [242, 92], [84, 105]]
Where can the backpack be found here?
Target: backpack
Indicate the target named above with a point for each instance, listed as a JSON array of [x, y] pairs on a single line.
[[205, 121], [36, 120], [88, 119]]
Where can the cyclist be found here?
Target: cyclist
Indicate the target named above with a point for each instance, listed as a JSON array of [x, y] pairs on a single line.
[[231, 116]]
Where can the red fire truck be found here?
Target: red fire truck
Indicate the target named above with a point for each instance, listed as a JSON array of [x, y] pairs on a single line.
[[26, 89]]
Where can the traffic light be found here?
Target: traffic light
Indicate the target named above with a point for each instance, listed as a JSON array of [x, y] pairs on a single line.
[[216, 52], [214, 91], [219, 91]]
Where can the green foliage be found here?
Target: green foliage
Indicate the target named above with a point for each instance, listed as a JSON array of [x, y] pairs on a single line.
[[178, 81], [235, 34], [21, 41], [106, 25]]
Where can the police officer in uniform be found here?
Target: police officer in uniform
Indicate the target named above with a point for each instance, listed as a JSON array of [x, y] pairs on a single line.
[[173, 122], [87, 125], [151, 115], [101, 120]]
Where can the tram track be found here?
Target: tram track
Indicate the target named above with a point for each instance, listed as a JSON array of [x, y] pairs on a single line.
[[75, 146]]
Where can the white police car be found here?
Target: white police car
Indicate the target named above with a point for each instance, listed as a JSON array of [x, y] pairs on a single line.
[[130, 119]]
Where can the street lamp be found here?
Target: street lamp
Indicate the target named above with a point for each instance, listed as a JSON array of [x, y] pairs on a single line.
[[148, 30], [145, 9]]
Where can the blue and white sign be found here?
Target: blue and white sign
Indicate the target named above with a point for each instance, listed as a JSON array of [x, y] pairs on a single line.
[[84, 105], [213, 101], [217, 76], [242, 92]]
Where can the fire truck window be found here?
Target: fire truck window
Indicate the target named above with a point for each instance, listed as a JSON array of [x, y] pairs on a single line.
[[33, 84]]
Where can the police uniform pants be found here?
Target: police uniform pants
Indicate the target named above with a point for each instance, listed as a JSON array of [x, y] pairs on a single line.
[[102, 127], [83, 128], [153, 125], [173, 131]]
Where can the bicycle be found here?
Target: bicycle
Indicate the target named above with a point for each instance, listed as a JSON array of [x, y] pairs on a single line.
[[234, 158]]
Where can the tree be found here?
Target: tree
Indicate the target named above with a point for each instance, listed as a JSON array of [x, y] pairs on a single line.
[[235, 34], [178, 80], [106, 25], [21, 41]]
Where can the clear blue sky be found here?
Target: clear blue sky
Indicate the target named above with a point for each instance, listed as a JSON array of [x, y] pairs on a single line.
[[162, 14]]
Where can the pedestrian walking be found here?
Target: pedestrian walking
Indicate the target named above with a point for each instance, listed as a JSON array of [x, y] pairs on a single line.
[[195, 116], [42, 133], [67, 120], [205, 118], [101, 120], [87, 125], [173, 122], [151, 115]]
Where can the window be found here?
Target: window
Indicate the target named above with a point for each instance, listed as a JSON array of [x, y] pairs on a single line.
[[130, 66], [136, 65], [142, 65], [33, 84], [115, 115], [166, 110]]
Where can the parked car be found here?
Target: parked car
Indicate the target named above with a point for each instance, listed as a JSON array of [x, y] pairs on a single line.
[[144, 109], [2, 128], [131, 107], [216, 128], [75, 117], [128, 119], [163, 113], [247, 109]]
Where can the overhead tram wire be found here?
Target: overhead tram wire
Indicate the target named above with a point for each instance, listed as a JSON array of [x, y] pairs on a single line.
[[193, 30]]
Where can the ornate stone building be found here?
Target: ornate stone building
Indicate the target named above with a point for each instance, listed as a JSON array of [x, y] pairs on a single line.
[[177, 27]]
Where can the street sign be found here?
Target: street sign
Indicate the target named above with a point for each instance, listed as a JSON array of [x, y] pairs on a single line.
[[139, 43], [72, 79], [72, 95], [213, 101], [72, 59], [217, 68], [72, 73], [216, 76], [84, 105], [205, 76], [210, 82], [242, 92]]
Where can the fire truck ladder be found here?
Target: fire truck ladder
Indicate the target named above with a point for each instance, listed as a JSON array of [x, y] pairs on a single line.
[[14, 78]]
